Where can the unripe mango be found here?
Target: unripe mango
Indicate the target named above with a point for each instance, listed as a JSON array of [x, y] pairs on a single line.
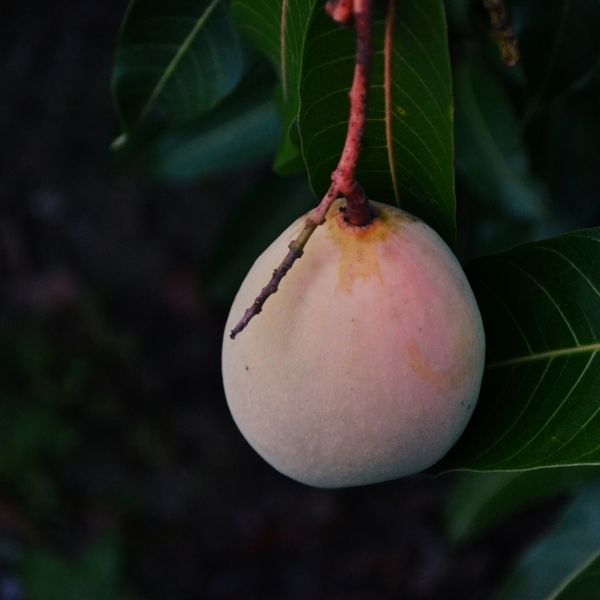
[[366, 364]]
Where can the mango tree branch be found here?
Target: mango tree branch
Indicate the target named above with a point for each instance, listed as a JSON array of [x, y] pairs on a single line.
[[358, 210], [503, 32]]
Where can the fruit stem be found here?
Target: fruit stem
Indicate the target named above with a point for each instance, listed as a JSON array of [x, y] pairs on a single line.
[[358, 211], [503, 32], [343, 179]]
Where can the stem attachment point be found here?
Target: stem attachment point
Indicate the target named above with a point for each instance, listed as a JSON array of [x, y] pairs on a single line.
[[358, 211]]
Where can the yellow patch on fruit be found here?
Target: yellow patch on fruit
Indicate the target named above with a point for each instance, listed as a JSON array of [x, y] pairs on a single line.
[[358, 246]]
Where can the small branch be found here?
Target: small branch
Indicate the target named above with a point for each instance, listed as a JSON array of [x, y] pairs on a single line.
[[503, 32], [296, 250], [358, 210]]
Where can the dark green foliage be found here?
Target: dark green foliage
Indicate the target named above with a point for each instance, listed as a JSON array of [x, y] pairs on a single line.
[[279, 32], [99, 435], [481, 501], [175, 60], [560, 45], [539, 401], [407, 156], [564, 565]]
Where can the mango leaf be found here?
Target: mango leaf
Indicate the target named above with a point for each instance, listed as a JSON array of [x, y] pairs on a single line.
[[174, 61], [565, 562], [570, 155], [241, 132], [481, 501], [584, 584], [490, 154], [277, 28], [539, 404], [506, 200], [408, 154], [458, 13], [559, 44]]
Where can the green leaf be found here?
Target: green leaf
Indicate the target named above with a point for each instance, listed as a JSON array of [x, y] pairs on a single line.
[[174, 61], [584, 585], [408, 153], [490, 155], [566, 561], [539, 404], [506, 201], [458, 14], [565, 143], [242, 132], [481, 501], [559, 44], [277, 28]]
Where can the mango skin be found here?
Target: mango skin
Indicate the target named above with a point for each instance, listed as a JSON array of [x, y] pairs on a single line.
[[366, 364]]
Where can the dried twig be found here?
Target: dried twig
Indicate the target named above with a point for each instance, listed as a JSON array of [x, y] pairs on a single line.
[[503, 32], [358, 211]]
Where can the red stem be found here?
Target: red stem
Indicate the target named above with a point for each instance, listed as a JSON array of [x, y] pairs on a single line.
[[343, 179]]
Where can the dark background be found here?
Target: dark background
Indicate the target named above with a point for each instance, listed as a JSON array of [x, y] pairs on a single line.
[[122, 474]]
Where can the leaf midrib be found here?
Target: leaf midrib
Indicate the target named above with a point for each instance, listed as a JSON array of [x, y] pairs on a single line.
[[582, 349], [181, 52], [389, 29]]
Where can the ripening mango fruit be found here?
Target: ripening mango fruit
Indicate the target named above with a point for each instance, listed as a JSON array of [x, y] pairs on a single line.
[[366, 364]]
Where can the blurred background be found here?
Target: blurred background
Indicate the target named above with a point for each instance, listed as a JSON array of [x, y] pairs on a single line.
[[122, 474]]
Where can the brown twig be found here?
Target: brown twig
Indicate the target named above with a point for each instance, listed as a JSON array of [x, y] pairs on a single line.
[[503, 32], [358, 210]]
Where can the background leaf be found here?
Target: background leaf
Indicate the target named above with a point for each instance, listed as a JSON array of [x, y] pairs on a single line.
[[559, 44], [584, 586], [277, 28], [563, 143], [539, 403], [175, 60], [566, 558], [481, 501], [490, 154], [242, 132], [408, 154]]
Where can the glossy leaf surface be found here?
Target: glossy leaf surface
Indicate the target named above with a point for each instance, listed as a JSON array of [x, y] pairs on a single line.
[[481, 501], [585, 583], [490, 153], [278, 28], [407, 155], [540, 399], [566, 561], [240, 133], [175, 60]]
